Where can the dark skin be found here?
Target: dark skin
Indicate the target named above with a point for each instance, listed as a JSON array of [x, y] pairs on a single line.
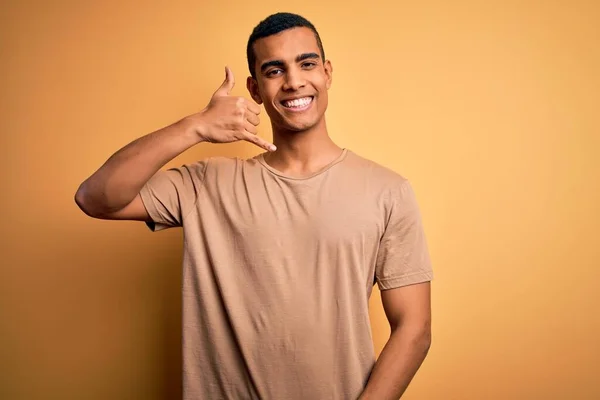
[[408, 310], [287, 69], [288, 65]]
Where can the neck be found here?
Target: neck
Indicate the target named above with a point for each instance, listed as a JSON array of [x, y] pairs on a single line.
[[302, 152]]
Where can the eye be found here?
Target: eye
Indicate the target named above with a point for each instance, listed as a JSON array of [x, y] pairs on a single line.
[[274, 72], [309, 64]]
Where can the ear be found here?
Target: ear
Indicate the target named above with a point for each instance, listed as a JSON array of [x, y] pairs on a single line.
[[252, 86], [328, 72]]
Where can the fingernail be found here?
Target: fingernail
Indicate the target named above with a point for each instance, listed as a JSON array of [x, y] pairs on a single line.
[[272, 147]]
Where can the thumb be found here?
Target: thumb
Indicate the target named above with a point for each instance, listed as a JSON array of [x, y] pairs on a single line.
[[227, 84]]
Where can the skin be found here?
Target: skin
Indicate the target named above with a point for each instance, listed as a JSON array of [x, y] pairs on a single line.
[[288, 66], [408, 310]]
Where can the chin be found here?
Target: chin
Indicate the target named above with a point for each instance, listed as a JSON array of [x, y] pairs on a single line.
[[300, 123], [297, 127]]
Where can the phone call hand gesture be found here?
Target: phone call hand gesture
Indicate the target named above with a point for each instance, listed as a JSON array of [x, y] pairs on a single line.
[[229, 118]]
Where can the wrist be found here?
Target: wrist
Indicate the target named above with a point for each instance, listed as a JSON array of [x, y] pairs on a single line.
[[193, 127]]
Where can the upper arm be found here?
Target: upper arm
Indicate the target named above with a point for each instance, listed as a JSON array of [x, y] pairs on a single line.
[[403, 255], [135, 211], [408, 306]]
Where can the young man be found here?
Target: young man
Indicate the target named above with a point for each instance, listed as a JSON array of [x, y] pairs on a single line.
[[281, 250]]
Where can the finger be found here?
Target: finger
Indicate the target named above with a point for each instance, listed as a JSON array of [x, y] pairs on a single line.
[[250, 128], [227, 84], [253, 119], [260, 142], [253, 107]]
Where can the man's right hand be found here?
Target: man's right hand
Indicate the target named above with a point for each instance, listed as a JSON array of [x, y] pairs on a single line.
[[229, 118], [112, 192]]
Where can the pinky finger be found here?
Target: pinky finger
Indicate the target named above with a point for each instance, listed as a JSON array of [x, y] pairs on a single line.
[[252, 138]]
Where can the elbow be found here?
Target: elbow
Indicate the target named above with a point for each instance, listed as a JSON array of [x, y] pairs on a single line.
[[83, 202], [424, 337], [419, 336], [422, 343], [421, 339], [426, 341]]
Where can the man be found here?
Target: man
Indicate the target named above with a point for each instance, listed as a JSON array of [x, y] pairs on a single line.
[[281, 250]]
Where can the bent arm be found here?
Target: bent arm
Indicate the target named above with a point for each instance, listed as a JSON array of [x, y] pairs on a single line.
[[409, 313], [112, 192]]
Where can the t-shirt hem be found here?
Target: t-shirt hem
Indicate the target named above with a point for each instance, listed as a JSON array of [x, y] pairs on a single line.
[[396, 282]]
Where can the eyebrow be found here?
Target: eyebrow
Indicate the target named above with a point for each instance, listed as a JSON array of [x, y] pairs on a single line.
[[279, 63]]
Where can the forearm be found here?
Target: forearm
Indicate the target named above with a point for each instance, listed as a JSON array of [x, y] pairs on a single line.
[[397, 364], [116, 183]]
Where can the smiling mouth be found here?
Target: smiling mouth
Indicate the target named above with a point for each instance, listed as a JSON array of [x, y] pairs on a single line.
[[298, 104]]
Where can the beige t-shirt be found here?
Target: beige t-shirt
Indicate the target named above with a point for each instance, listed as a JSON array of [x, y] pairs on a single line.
[[277, 272]]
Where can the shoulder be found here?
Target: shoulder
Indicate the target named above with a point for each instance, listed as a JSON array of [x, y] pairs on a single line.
[[391, 188], [376, 173]]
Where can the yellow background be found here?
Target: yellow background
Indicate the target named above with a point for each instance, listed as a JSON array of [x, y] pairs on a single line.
[[490, 108]]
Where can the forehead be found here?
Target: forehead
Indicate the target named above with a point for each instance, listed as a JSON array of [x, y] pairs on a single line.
[[286, 45]]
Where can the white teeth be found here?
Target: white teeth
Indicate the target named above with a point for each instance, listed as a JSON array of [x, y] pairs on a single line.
[[298, 102]]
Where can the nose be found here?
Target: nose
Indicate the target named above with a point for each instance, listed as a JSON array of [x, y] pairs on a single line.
[[293, 80]]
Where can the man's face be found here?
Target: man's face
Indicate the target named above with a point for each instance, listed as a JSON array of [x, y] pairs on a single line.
[[291, 79]]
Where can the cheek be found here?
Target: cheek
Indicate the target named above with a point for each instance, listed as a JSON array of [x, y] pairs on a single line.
[[324, 94], [323, 84], [268, 92], [263, 93]]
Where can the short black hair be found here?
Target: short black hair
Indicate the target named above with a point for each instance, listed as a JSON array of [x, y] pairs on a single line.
[[274, 24]]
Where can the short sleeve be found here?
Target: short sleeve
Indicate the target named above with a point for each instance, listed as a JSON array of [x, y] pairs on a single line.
[[171, 194], [403, 256]]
